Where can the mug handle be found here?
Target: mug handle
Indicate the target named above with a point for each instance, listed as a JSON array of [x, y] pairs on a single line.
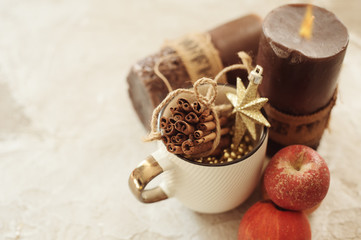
[[141, 176]]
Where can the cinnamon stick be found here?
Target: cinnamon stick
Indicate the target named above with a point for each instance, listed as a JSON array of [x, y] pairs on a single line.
[[190, 148], [184, 127], [197, 107], [206, 126], [165, 139], [192, 117], [180, 138], [177, 115], [206, 118], [174, 149], [171, 120], [170, 129], [224, 131], [173, 109], [173, 140], [184, 104], [198, 134], [207, 138], [203, 137], [163, 122]]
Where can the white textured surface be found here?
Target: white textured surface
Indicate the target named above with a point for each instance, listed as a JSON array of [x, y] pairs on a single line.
[[69, 137]]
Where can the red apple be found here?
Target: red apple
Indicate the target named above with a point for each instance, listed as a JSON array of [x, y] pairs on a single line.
[[265, 196], [297, 178], [264, 220]]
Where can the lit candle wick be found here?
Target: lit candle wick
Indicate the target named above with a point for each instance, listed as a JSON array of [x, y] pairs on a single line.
[[307, 23]]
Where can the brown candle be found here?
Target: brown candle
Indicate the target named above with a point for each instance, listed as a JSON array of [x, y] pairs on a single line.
[[241, 34], [300, 75]]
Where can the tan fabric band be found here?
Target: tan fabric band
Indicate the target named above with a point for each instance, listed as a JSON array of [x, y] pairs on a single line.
[[199, 56], [307, 129]]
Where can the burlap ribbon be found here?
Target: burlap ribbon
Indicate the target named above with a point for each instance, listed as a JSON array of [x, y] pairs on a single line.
[[199, 56], [306, 129]]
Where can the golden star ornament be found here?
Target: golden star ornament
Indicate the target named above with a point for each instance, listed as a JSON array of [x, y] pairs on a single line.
[[247, 106]]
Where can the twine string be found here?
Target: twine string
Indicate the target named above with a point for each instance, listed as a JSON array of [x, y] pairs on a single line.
[[160, 74], [211, 95]]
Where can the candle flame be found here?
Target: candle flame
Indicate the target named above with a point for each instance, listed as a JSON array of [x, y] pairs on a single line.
[[307, 23]]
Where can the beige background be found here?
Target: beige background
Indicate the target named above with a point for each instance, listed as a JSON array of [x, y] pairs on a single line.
[[69, 137]]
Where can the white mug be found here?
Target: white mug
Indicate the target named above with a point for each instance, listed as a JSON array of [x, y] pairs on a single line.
[[201, 187]]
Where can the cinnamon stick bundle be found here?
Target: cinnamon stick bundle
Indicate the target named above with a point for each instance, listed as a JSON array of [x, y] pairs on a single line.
[[190, 130]]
